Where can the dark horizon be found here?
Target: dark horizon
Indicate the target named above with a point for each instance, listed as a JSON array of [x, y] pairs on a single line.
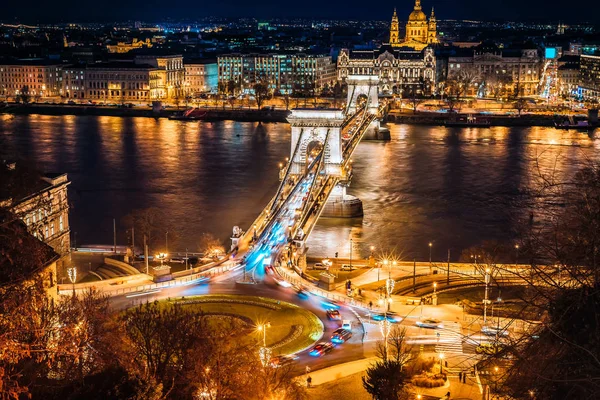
[[540, 11]]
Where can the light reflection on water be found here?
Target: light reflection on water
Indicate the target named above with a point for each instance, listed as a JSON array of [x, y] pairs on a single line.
[[455, 187]]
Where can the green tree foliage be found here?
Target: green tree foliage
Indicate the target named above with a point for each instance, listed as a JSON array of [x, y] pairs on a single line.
[[385, 380]]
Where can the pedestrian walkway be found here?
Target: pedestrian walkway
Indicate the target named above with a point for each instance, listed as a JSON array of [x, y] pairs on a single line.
[[449, 339]]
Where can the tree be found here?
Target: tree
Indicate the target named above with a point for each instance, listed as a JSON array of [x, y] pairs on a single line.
[[385, 380], [559, 358], [415, 99], [520, 105], [210, 245], [261, 92], [159, 341], [338, 93], [24, 95], [153, 223]]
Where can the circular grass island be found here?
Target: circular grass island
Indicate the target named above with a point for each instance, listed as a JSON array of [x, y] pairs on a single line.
[[291, 329]]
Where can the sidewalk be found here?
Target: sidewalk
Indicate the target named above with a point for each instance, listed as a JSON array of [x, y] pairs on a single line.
[[329, 374]]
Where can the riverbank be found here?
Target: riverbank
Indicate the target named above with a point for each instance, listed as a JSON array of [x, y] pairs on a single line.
[[209, 114], [432, 118], [271, 115]]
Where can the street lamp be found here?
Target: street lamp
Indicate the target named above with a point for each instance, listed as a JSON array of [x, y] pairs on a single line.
[[430, 246], [263, 328], [161, 257], [516, 255], [72, 277], [485, 300], [385, 327], [441, 356]]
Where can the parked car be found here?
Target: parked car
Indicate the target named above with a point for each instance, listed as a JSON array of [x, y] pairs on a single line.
[[321, 266], [320, 349], [341, 336], [348, 267], [333, 315], [430, 323]]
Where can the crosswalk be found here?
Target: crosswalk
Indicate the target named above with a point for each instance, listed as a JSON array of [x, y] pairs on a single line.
[[449, 339]]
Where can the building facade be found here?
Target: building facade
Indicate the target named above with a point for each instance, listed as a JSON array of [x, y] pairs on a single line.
[[170, 82], [282, 72], [121, 82], [516, 71], [40, 77], [400, 71], [201, 76], [126, 47], [44, 208], [589, 78], [420, 30]]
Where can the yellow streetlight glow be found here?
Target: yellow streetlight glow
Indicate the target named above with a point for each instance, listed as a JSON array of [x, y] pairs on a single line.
[[430, 244]]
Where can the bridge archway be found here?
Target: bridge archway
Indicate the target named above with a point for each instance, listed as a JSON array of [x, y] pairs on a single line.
[[360, 86], [313, 130]]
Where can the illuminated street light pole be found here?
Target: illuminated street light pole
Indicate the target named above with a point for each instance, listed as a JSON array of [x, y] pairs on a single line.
[[441, 356], [389, 287], [485, 300], [430, 265], [72, 277], [516, 255]]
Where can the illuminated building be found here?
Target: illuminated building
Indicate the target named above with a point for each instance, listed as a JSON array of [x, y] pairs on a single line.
[[283, 72], [169, 81], [201, 76], [589, 77], [42, 78], [400, 71], [25, 258], [44, 208], [111, 82], [123, 47], [420, 31], [517, 70], [568, 75]]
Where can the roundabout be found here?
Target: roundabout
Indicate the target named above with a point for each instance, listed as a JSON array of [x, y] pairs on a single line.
[[290, 328]]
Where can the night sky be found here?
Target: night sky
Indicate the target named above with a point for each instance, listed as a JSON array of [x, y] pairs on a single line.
[[159, 10]]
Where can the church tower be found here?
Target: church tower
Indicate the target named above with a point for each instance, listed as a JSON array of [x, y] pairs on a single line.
[[394, 35], [432, 29]]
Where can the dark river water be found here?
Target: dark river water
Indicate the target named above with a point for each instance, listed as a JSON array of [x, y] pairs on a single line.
[[454, 187]]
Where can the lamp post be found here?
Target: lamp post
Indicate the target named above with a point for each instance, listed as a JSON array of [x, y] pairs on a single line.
[[385, 327], [389, 288], [430, 247], [441, 356], [485, 300], [350, 252], [516, 255], [72, 277], [263, 328]]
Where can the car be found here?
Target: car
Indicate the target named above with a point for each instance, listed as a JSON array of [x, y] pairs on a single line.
[[347, 267], [390, 316], [341, 336], [430, 323], [330, 305], [333, 315], [489, 349], [321, 349], [493, 331], [303, 294], [280, 361], [321, 266]]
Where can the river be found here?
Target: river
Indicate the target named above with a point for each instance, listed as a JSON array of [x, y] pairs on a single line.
[[453, 187]]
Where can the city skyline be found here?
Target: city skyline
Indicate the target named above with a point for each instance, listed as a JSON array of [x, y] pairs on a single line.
[[511, 10]]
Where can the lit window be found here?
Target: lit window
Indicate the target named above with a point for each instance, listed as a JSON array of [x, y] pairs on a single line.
[[46, 234], [60, 223]]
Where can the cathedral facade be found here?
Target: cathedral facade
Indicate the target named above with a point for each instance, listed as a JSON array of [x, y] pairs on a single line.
[[420, 31], [406, 66]]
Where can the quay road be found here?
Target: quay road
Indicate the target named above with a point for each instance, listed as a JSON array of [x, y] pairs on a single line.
[[458, 342]]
